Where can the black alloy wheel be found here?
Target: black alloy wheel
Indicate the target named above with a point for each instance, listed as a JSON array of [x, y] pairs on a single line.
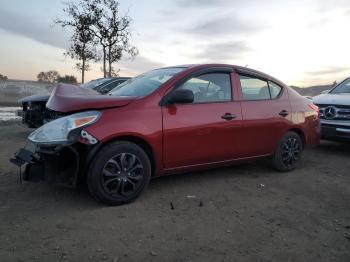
[[288, 152], [122, 174], [119, 173]]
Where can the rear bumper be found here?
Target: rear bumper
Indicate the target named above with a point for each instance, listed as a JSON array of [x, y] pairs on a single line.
[[313, 134], [62, 165]]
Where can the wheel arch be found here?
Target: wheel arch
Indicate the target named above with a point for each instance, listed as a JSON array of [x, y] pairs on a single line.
[[300, 133], [138, 141]]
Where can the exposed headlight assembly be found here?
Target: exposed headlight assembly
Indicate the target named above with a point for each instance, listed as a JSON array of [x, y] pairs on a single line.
[[57, 131]]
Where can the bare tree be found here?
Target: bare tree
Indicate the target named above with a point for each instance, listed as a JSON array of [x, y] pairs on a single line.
[[84, 51], [113, 31], [99, 30], [82, 46], [115, 53]]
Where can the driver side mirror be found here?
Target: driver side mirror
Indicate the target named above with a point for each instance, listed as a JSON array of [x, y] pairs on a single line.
[[325, 91], [178, 96]]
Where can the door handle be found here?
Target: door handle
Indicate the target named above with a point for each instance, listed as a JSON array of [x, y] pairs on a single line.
[[284, 113], [228, 116]]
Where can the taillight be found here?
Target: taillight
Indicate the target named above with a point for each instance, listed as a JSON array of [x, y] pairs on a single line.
[[315, 108]]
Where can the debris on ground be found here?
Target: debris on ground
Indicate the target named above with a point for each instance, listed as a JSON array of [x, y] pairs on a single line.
[[153, 253], [347, 236], [190, 196], [261, 186]]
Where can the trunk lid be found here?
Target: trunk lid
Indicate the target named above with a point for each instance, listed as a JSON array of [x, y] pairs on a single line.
[[68, 98]]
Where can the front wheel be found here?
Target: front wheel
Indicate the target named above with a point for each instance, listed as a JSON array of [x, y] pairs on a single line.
[[288, 152], [119, 173]]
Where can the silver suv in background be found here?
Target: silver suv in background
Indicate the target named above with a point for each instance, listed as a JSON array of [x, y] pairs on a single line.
[[334, 107]]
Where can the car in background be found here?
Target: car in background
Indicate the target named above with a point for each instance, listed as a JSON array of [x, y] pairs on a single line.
[[104, 85], [334, 107], [166, 121], [34, 112]]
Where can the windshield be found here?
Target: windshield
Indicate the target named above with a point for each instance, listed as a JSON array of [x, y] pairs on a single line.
[[146, 83], [95, 83], [343, 87]]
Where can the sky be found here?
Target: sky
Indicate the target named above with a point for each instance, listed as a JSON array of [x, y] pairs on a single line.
[[300, 42]]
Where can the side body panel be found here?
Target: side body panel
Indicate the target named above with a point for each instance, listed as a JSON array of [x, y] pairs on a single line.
[[195, 134], [262, 126], [305, 119]]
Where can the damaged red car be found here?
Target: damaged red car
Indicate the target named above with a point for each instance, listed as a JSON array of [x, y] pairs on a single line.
[[167, 121]]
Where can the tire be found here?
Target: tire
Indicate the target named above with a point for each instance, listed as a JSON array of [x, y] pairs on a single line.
[[288, 152], [120, 172]]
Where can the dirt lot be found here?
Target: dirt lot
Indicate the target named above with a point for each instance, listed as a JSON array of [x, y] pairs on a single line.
[[247, 212]]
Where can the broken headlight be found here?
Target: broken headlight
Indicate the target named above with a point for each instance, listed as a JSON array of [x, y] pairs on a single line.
[[57, 131]]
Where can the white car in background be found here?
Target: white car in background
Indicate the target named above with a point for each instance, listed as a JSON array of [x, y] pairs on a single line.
[[334, 107]]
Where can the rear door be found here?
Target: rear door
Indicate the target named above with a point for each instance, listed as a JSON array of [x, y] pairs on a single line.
[[207, 130], [265, 112]]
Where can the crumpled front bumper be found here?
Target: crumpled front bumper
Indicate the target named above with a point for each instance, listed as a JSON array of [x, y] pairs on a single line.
[[60, 164]]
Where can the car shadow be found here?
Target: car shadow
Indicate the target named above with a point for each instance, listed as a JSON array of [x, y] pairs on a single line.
[[254, 169], [337, 148], [44, 195]]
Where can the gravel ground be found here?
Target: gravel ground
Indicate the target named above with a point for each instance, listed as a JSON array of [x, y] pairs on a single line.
[[246, 212]]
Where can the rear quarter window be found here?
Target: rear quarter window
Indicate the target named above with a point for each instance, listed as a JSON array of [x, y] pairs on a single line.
[[275, 90]]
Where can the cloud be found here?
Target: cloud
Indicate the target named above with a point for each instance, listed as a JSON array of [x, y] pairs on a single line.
[[223, 25], [32, 28], [223, 52], [138, 65], [202, 3], [329, 70], [319, 23], [215, 3], [329, 5]]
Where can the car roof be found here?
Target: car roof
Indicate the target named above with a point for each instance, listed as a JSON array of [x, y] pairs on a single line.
[[240, 69]]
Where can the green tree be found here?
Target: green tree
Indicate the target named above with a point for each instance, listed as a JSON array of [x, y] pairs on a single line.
[[48, 77], [3, 77], [68, 79]]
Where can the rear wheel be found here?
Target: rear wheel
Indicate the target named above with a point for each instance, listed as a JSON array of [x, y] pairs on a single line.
[[119, 173], [288, 152]]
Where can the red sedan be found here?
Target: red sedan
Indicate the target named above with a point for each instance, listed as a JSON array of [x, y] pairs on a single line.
[[166, 121]]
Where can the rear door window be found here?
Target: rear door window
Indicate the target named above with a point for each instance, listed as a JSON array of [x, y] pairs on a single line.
[[254, 88]]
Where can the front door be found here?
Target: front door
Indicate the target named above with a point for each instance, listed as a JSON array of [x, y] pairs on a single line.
[[207, 130]]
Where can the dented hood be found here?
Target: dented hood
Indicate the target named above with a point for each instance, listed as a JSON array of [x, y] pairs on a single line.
[[68, 98]]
